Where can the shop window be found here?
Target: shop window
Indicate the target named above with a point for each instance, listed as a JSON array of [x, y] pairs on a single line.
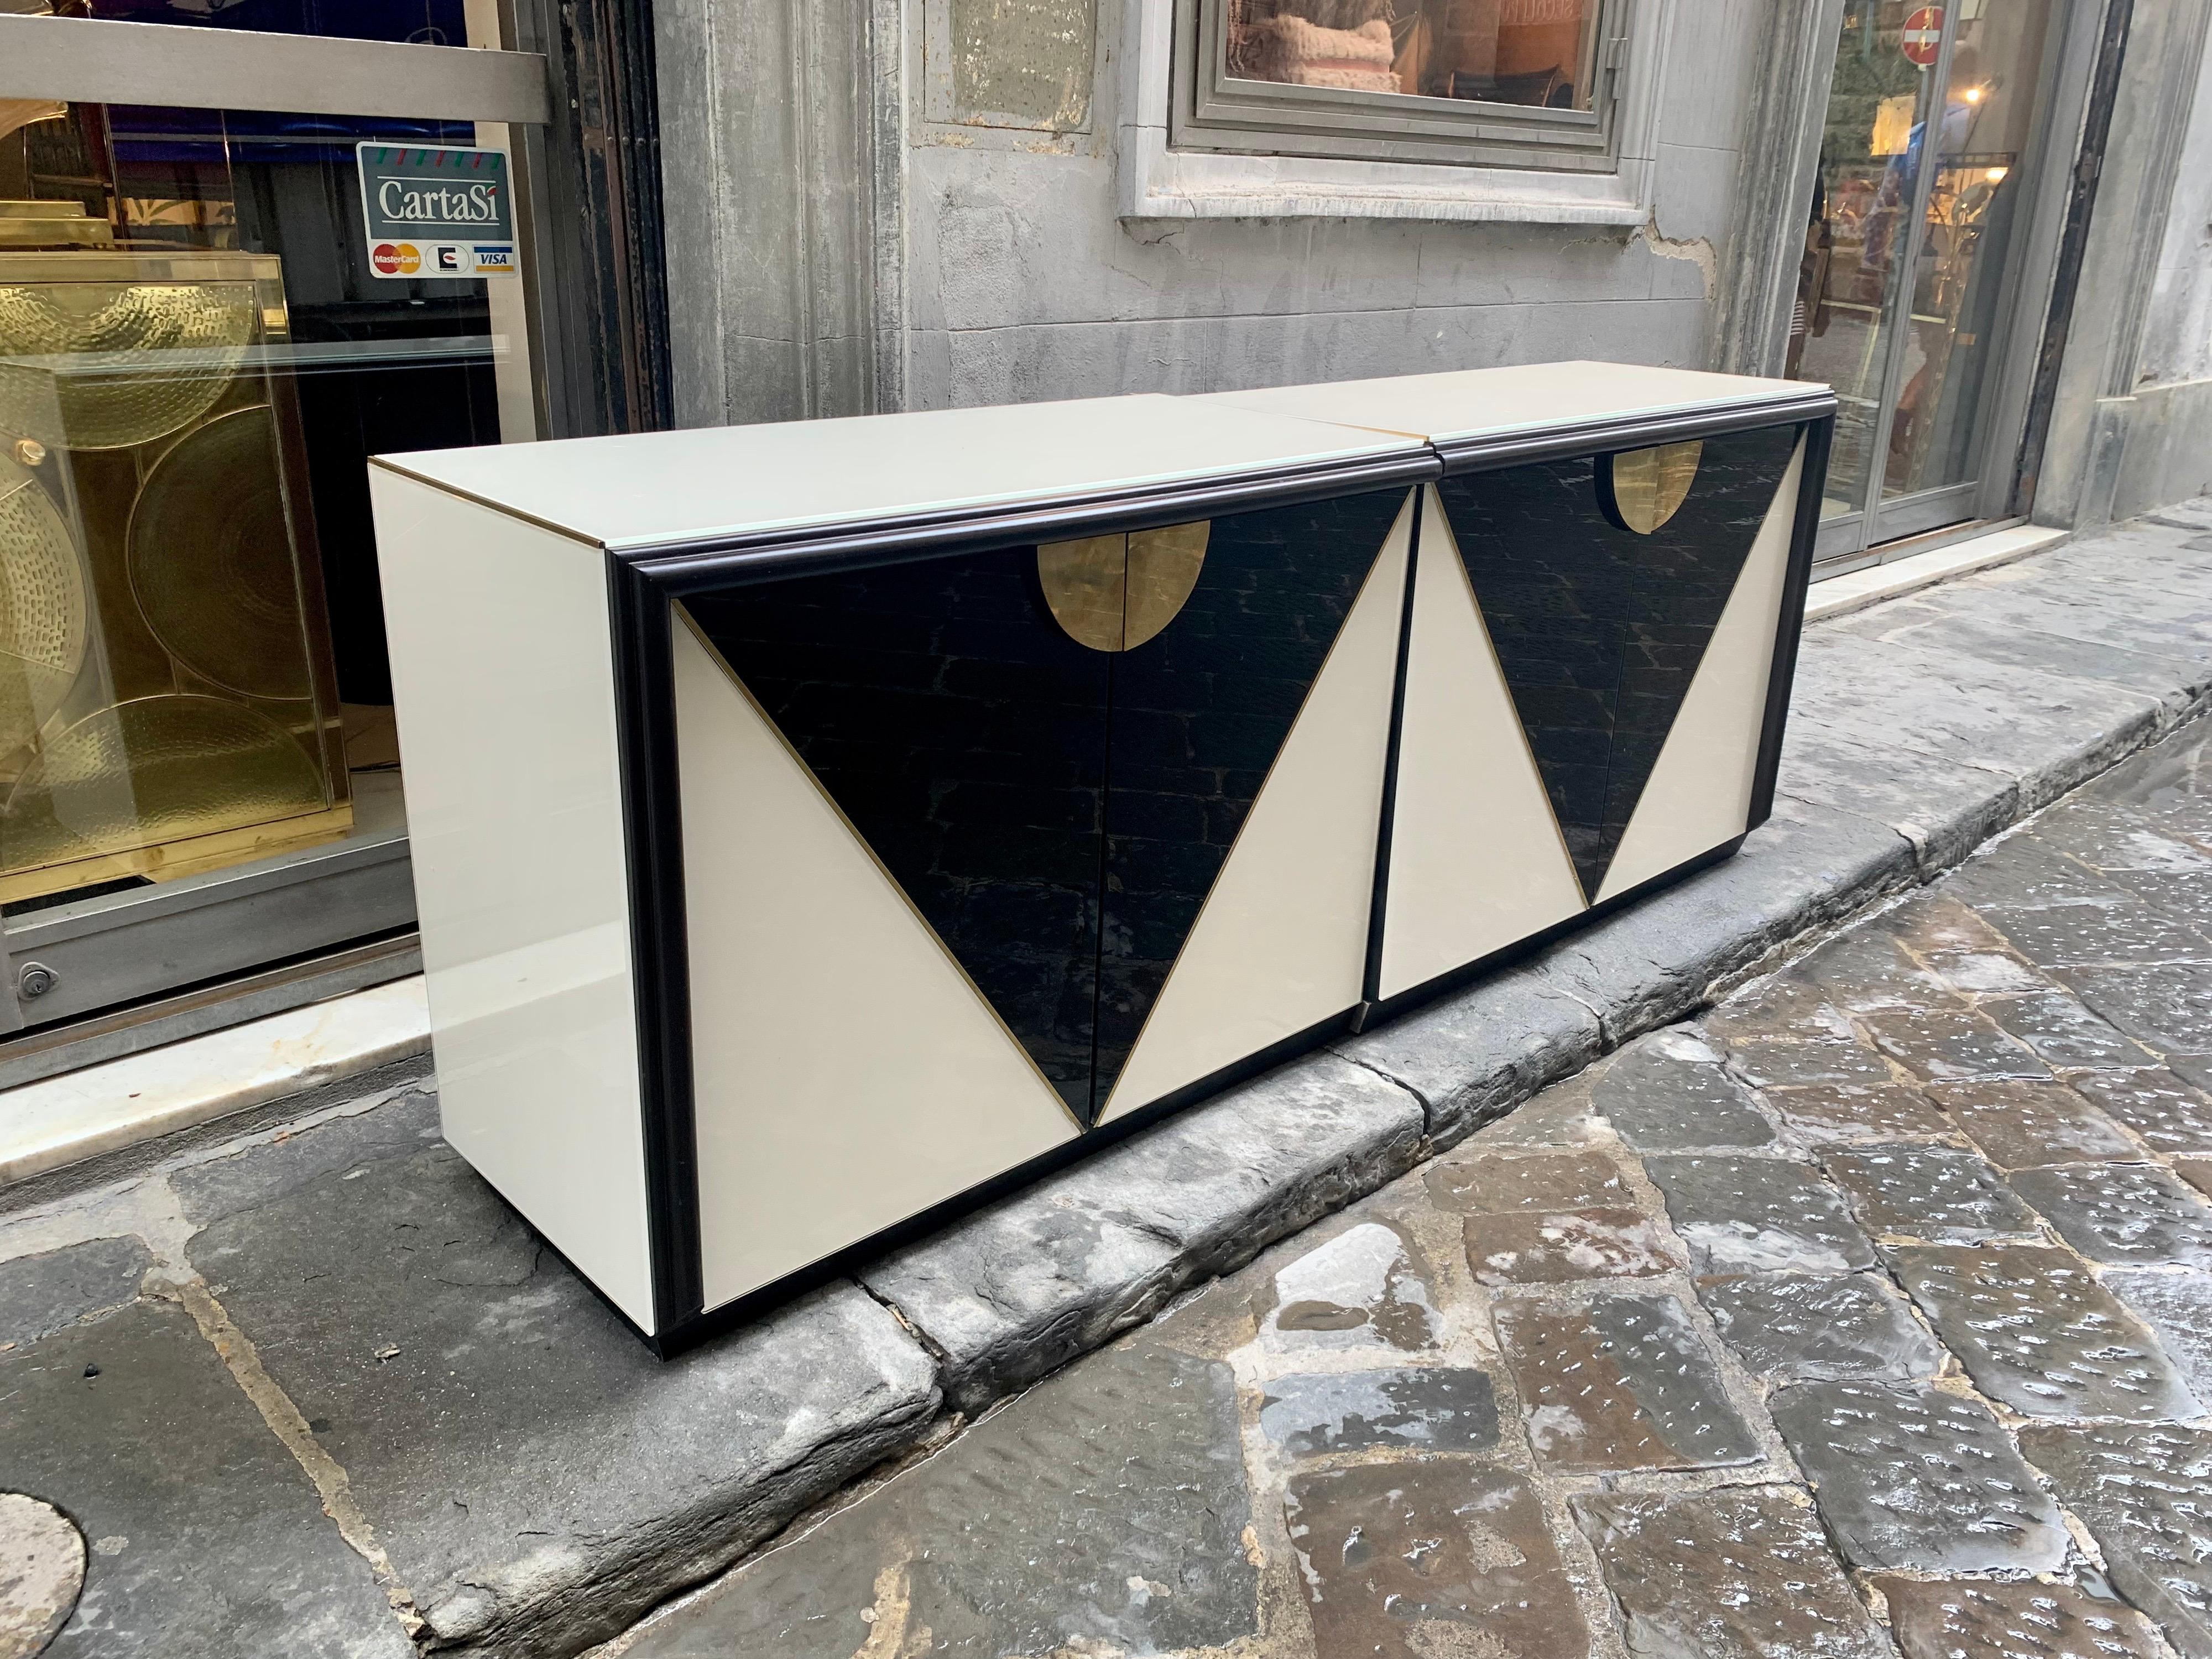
[[197, 352], [1512, 82]]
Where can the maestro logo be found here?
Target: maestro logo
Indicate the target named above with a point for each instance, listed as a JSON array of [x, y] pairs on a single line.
[[395, 258]]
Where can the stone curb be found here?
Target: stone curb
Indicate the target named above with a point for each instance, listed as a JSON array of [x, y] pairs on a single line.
[[1920, 728]]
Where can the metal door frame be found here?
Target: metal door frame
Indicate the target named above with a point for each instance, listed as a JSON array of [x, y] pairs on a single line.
[[1851, 540]]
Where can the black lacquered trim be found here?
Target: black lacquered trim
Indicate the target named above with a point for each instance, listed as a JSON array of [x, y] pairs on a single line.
[[1789, 626], [1378, 903], [1617, 433], [653, 826], [774, 554]]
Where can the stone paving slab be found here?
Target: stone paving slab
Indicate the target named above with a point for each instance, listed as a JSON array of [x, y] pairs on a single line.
[[206, 1537], [42, 1294], [1414, 1559], [1940, 1044], [1916, 1477], [401, 1306], [2169, 1114], [1737, 1574], [1669, 1093], [1414, 1409], [1936, 1192], [2178, 1308], [1741, 1215], [2020, 1125], [2164, 1007], [1883, 1112], [2128, 1215], [2039, 1333], [1103, 1512], [2142, 1492], [1369, 1286], [2059, 1029], [2009, 687], [1798, 1328], [1933, 1618], [1620, 1382]]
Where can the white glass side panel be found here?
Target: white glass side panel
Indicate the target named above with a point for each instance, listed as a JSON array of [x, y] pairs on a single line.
[[504, 691], [845, 1073], [1281, 942], [1699, 792], [641, 488], [1476, 859]]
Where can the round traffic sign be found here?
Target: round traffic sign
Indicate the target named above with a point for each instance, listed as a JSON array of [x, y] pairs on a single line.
[[1924, 35]]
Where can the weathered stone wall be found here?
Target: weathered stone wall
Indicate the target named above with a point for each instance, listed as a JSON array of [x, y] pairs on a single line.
[[885, 208], [1024, 284], [2168, 456]]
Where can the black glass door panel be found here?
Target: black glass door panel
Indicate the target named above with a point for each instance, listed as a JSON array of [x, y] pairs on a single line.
[[962, 734], [1598, 629], [1199, 713]]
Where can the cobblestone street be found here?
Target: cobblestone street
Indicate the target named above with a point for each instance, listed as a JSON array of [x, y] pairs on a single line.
[[1873, 1307]]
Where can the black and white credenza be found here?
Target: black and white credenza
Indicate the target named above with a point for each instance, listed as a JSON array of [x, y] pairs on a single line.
[[819, 827]]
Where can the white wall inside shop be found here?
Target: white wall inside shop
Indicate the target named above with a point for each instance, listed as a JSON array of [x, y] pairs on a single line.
[[1001, 271]]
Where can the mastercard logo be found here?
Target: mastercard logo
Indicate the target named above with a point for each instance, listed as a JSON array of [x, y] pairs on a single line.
[[395, 258]]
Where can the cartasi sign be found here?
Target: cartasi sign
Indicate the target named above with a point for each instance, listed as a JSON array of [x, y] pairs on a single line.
[[436, 213]]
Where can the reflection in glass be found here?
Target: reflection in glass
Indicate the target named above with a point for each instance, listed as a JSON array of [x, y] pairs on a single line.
[[1898, 313], [195, 361], [1533, 52], [1861, 201], [1966, 231]]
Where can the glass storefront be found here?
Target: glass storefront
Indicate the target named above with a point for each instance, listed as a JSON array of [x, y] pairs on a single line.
[[1916, 226], [199, 346]]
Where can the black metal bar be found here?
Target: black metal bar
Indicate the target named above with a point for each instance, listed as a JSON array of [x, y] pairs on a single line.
[[1372, 979], [652, 826], [773, 553], [1613, 434]]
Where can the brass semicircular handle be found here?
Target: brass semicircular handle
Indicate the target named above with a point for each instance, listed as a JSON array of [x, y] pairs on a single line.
[[1114, 592], [1640, 489]]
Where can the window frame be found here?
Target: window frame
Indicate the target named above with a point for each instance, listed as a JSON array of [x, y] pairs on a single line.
[[1210, 110]]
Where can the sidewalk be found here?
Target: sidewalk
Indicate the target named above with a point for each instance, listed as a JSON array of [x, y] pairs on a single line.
[[316, 1388], [1887, 1271]]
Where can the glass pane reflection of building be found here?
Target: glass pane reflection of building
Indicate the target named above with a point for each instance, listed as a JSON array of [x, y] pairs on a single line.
[[1533, 52], [194, 362], [1900, 313]]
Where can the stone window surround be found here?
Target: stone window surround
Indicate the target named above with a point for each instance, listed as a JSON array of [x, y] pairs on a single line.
[[1155, 180]]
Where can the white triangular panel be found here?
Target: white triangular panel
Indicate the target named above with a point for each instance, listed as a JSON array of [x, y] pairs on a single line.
[[1281, 942], [847, 1072], [1699, 794], [1476, 859]]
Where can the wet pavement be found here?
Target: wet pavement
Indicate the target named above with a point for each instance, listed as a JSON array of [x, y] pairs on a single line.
[[1869, 1314]]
